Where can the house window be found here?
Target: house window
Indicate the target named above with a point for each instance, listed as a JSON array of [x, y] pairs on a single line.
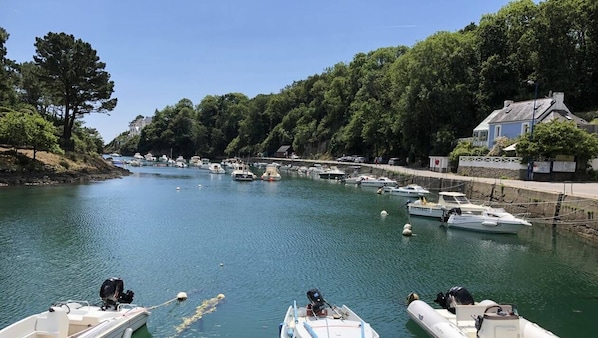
[[525, 128], [496, 131]]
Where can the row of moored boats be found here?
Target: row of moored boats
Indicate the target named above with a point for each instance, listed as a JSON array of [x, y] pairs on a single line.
[[116, 317]]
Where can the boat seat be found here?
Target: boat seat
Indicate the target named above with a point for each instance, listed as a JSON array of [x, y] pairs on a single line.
[[54, 324]]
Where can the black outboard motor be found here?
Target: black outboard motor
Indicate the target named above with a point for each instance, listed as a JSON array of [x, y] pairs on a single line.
[[111, 293], [457, 295], [446, 214], [317, 301]]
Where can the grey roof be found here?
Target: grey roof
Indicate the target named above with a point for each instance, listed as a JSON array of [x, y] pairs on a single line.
[[564, 116], [282, 149], [522, 111], [484, 124]]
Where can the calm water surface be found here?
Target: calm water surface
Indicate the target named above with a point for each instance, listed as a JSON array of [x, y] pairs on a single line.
[[263, 245]]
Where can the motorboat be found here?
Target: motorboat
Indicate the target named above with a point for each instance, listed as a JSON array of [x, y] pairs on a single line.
[[460, 316], [446, 200], [356, 179], [332, 173], [410, 190], [320, 319], [115, 317], [138, 156], [378, 182], [496, 221], [271, 173], [216, 168], [242, 173]]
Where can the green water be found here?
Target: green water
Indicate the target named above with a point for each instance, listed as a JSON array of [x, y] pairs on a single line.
[[263, 245]]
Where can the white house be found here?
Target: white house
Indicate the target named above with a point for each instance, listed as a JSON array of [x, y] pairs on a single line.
[[136, 126]]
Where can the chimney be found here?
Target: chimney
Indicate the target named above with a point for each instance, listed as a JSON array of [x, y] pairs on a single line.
[[507, 103]]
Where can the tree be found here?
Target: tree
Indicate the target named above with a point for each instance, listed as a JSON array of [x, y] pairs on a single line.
[[558, 138], [28, 129], [73, 78], [7, 73]]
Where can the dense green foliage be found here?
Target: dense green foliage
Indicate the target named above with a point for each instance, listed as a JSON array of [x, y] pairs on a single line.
[[558, 138], [28, 129], [392, 102]]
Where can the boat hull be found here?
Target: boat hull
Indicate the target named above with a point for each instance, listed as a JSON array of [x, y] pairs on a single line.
[[441, 323], [81, 321]]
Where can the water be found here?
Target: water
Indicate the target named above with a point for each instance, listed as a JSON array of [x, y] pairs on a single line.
[[263, 245]]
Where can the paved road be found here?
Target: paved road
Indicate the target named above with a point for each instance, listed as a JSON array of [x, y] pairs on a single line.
[[579, 189]]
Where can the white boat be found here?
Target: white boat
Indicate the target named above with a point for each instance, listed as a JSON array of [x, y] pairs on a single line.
[[446, 200], [216, 168], [410, 190], [242, 173], [356, 179], [206, 164], [496, 221], [271, 173], [138, 156], [320, 319], [115, 317], [460, 316], [332, 173], [378, 182]]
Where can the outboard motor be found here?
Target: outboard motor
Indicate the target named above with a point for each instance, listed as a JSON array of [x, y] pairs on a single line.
[[317, 301], [111, 293], [446, 214], [457, 295]]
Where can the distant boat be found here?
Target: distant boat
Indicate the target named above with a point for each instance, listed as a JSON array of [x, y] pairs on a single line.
[[216, 168], [411, 190], [333, 173], [242, 173], [271, 173], [115, 155]]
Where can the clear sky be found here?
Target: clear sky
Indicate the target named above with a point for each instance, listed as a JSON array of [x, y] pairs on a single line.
[[158, 52]]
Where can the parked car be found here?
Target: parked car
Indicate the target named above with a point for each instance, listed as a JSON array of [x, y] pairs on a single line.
[[394, 161], [359, 159]]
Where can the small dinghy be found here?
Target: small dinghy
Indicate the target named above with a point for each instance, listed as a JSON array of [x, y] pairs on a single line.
[[320, 319], [114, 317], [460, 316]]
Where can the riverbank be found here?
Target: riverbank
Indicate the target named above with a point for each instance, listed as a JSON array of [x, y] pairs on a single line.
[[21, 168]]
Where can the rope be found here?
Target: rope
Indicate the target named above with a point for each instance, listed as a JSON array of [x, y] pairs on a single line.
[[180, 297]]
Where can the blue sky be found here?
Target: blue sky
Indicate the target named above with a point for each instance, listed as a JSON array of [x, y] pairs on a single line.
[[159, 52]]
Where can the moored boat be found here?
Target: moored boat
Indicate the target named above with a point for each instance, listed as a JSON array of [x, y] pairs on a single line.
[[496, 221], [460, 316], [242, 173], [410, 190], [378, 182], [320, 319], [446, 200], [332, 173], [216, 168], [115, 317], [271, 173]]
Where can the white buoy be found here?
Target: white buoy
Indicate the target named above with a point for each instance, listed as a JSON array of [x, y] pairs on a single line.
[[221, 264], [178, 188], [407, 232], [383, 213], [407, 226], [199, 185], [181, 296]]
